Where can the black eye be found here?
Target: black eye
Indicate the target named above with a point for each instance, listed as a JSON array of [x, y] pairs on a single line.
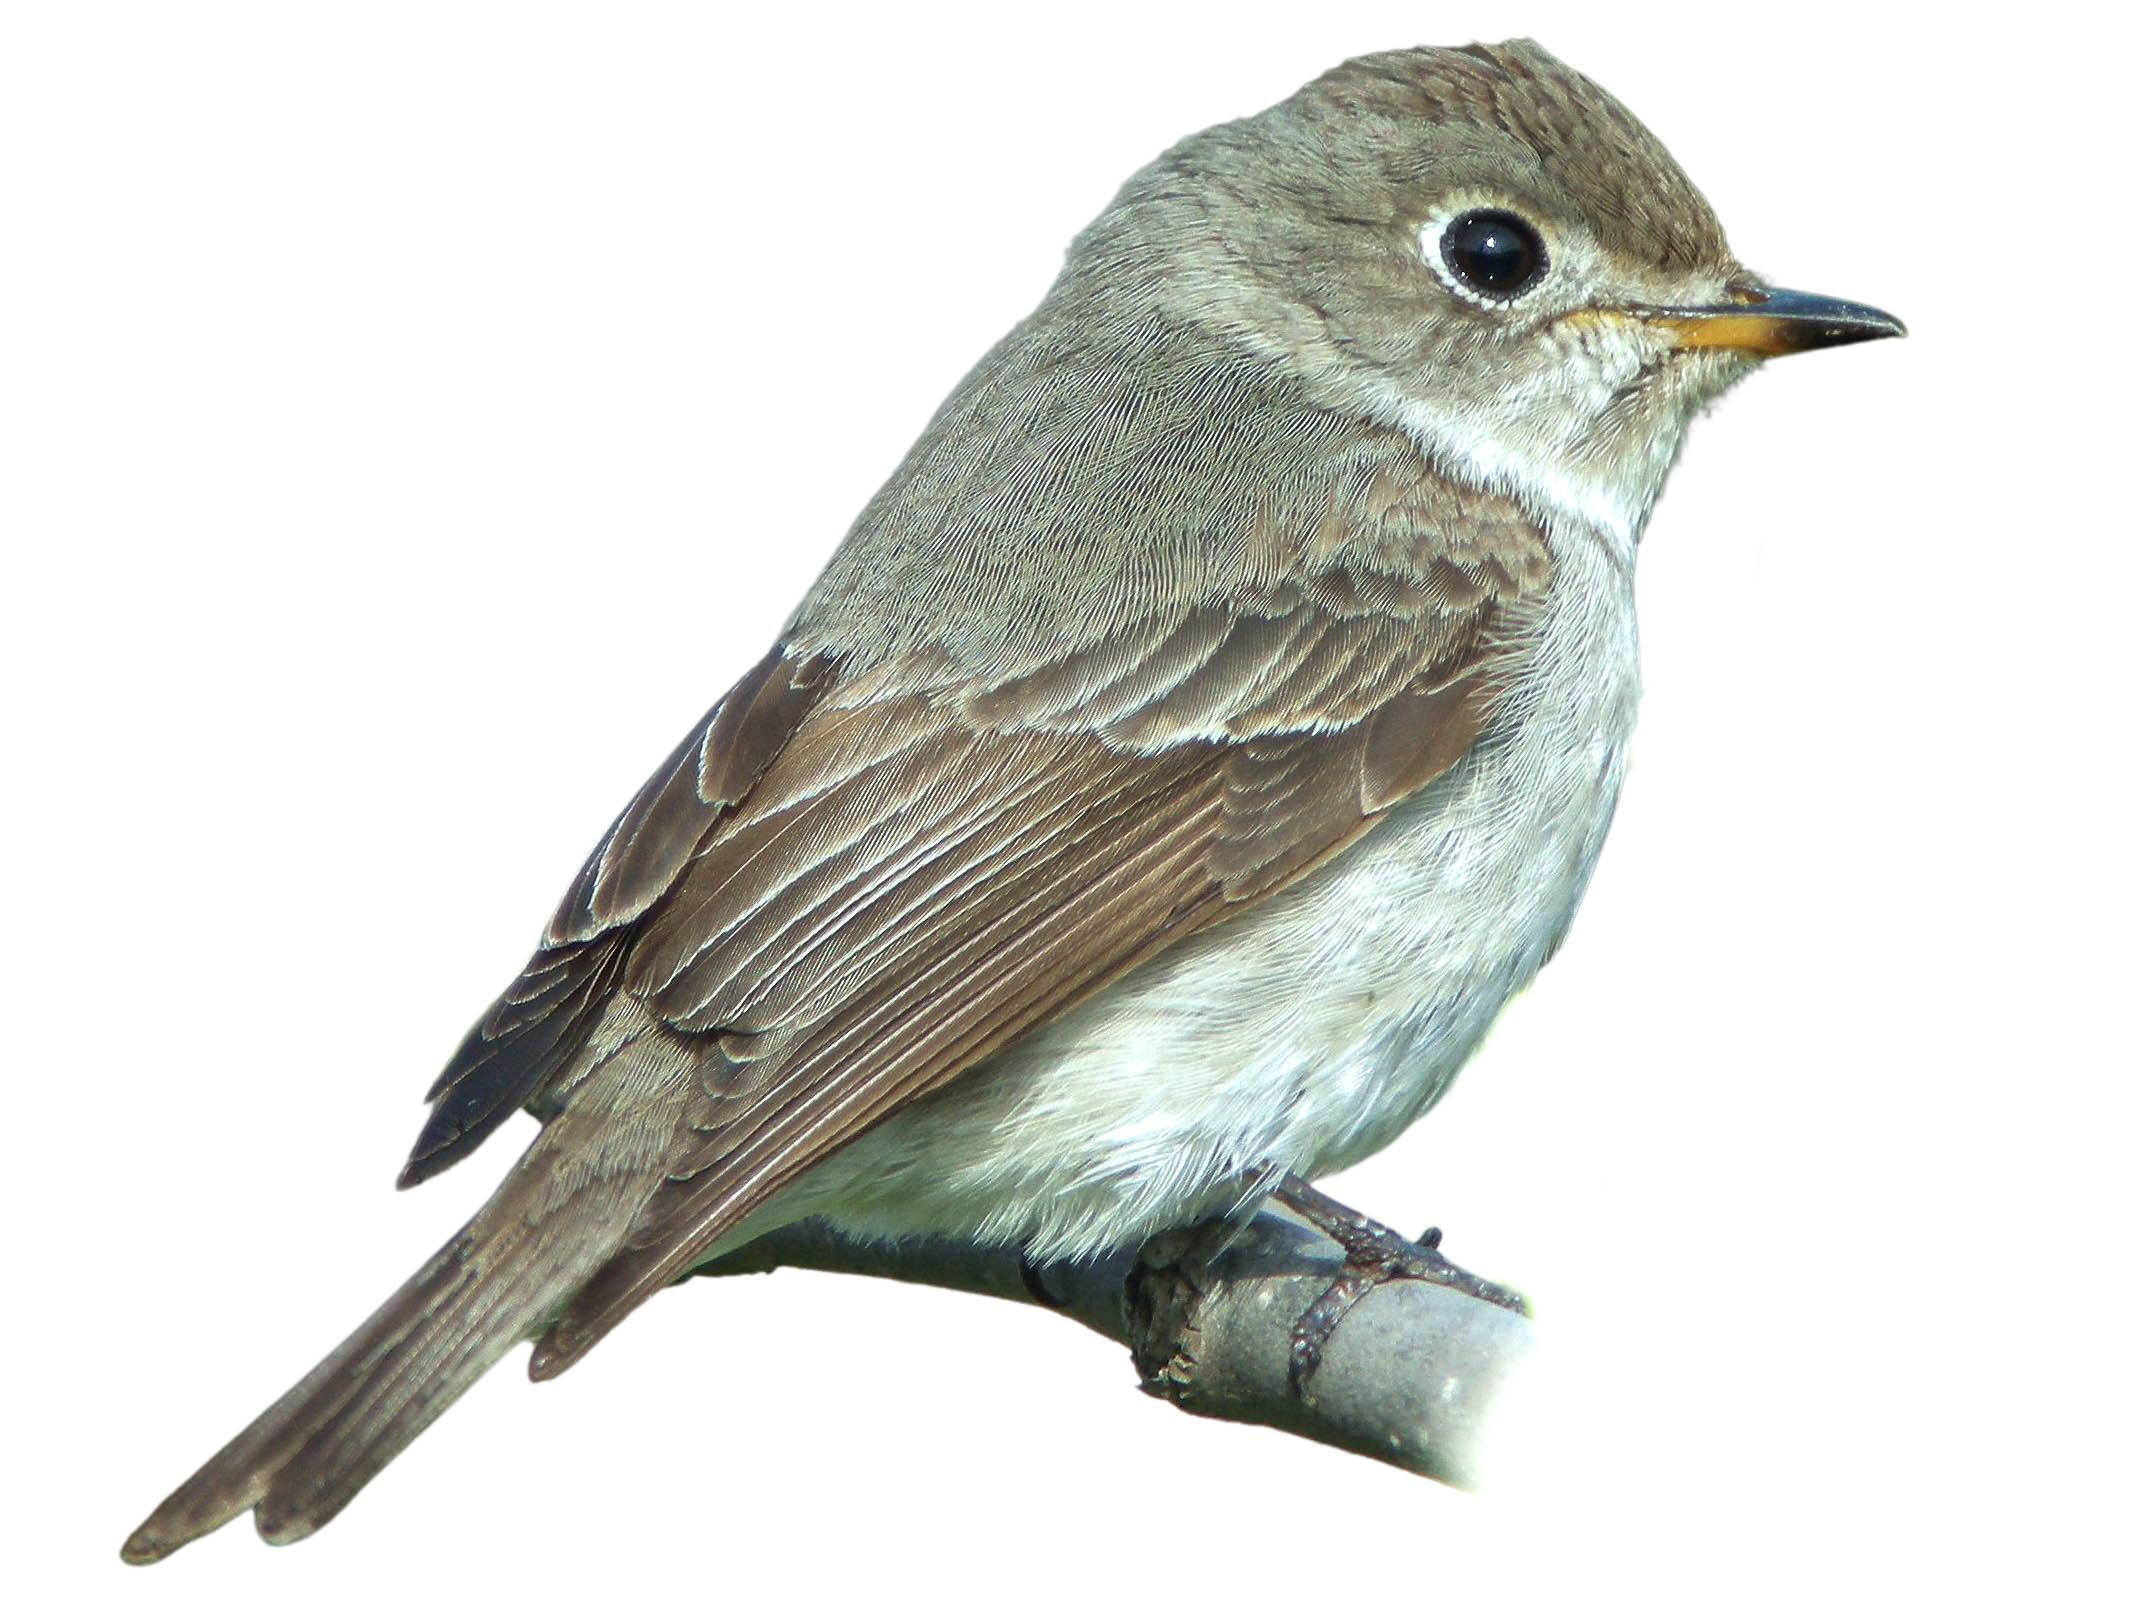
[[1496, 253]]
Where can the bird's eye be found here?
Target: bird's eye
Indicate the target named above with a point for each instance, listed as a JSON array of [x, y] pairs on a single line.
[[1497, 254]]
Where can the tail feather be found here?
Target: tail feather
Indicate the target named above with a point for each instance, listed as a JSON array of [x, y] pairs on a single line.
[[248, 1472], [557, 1217]]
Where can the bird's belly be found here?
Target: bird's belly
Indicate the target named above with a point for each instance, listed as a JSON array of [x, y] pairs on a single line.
[[1306, 1032]]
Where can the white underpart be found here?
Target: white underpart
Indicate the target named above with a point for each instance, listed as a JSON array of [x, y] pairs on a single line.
[[1309, 1031], [1613, 508], [1532, 442]]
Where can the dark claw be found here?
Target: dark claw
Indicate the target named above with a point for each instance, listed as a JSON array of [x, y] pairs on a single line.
[[1039, 1292]]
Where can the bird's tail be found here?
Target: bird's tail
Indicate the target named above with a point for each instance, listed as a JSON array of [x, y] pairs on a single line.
[[563, 1209]]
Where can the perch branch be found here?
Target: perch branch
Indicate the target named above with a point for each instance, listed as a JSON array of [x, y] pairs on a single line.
[[1408, 1377]]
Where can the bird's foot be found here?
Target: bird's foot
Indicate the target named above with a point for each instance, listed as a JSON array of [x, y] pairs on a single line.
[[1374, 1255]]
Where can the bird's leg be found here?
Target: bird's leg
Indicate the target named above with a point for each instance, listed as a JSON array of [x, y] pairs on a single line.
[[1374, 1255]]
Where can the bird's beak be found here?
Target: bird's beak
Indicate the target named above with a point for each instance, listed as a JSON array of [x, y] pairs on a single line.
[[1774, 323]]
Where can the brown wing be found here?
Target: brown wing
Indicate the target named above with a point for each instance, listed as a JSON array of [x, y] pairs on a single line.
[[538, 1026], [920, 876]]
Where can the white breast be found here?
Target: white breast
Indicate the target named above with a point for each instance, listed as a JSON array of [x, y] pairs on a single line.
[[1307, 1032]]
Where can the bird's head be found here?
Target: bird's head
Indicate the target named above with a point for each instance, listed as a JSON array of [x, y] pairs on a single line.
[[1479, 246]]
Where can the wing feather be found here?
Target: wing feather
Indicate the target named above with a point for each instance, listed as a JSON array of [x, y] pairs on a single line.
[[931, 976], [537, 1029]]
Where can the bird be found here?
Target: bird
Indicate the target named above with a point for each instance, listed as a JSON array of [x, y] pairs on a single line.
[[1206, 730]]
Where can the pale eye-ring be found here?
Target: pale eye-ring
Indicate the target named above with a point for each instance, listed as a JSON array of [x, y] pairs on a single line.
[[1494, 253]]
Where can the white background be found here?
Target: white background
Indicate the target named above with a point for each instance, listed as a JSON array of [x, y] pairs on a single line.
[[416, 415]]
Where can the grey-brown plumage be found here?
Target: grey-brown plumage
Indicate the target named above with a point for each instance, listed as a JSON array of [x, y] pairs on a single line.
[[1261, 535]]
